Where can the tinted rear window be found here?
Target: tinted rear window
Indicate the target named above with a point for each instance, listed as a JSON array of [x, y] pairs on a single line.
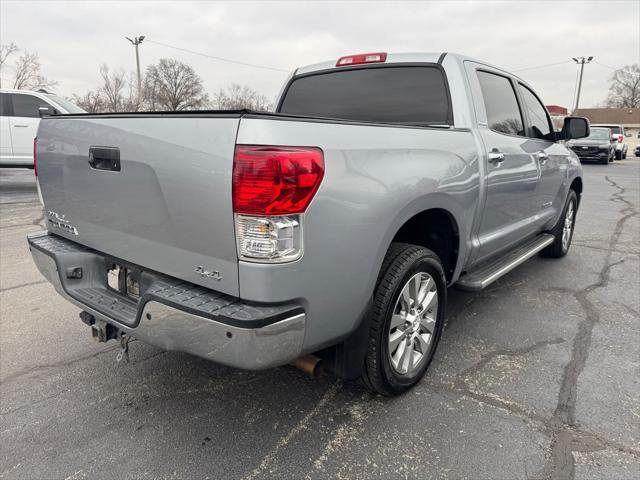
[[614, 129], [404, 95]]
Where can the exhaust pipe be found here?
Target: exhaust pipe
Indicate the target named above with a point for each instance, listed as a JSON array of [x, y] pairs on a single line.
[[309, 364]]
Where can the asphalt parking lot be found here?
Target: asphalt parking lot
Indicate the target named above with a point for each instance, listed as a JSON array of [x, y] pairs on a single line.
[[536, 377]]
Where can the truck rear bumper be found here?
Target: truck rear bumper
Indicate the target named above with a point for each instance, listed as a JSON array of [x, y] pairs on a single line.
[[172, 314]]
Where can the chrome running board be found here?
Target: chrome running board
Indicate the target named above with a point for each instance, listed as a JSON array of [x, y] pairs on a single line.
[[488, 273]]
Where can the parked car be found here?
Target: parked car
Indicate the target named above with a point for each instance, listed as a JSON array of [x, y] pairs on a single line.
[[599, 146], [330, 228], [637, 151], [20, 112], [620, 136]]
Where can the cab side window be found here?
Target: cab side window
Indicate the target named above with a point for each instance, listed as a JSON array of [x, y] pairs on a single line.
[[540, 126], [501, 104], [26, 105]]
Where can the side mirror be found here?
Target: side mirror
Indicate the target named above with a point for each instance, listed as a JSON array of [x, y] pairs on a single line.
[[45, 111], [575, 127]]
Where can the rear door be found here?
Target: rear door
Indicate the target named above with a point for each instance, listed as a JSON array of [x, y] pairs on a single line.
[[552, 157], [24, 125], [510, 167], [150, 189]]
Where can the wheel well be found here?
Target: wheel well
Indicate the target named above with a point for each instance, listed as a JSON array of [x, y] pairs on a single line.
[[436, 230], [576, 186]]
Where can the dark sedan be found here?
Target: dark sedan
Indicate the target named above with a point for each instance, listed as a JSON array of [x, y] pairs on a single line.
[[597, 147]]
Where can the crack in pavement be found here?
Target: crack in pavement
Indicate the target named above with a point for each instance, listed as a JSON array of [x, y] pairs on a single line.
[[485, 358], [356, 412], [37, 368], [302, 425], [35, 402], [566, 437], [29, 284], [459, 385], [603, 249]]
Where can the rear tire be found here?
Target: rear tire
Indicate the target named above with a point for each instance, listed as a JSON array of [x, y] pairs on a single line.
[[618, 155], [563, 230], [407, 319]]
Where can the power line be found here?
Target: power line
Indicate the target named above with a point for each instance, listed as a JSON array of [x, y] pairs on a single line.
[[631, 74], [541, 66], [221, 59]]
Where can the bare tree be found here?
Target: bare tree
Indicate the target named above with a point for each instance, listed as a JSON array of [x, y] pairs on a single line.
[[28, 74], [92, 101], [117, 93], [113, 85], [173, 85], [624, 91], [5, 52], [238, 97]]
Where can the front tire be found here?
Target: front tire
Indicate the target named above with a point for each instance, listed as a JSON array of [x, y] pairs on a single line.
[[407, 319], [563, 230]]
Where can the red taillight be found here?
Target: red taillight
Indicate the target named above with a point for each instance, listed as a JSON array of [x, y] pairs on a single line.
[[620, 138], [275, 180], [35, 162], [361, 58]]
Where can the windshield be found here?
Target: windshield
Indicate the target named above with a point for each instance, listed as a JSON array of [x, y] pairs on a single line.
[[600, 134], [66, 104]]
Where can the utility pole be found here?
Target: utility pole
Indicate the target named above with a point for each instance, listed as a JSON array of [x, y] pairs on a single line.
[[580, 61], [135, 42]]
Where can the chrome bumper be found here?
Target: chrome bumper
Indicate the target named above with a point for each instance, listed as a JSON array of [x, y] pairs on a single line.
[[172, 327]]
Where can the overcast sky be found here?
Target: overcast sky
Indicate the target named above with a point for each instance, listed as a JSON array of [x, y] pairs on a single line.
[[74, 38]]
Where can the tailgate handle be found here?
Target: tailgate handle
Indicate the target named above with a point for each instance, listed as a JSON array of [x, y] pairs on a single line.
[[105, 158]]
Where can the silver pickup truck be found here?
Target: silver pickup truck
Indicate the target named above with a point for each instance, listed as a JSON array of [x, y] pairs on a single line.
[[330, 229]]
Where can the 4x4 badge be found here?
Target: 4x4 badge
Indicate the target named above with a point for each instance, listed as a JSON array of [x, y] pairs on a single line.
[[208, 274]]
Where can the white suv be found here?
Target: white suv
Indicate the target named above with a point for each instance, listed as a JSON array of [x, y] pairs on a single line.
[[20, 112], [617, 133]]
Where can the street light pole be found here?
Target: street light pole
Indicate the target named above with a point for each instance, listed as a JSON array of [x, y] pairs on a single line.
[[135, 42], [580, 61]]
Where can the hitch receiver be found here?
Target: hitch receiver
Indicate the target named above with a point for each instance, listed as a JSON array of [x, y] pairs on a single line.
[[101, 331]]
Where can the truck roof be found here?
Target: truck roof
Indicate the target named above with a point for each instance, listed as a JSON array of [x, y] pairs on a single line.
[[409, 57]]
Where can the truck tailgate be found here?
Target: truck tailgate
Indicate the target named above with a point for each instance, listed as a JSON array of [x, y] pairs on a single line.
[[167, 206]]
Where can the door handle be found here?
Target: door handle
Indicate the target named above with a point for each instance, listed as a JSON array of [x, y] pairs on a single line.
[[496, 157], [542, 157], [20, 125], [105, 158]]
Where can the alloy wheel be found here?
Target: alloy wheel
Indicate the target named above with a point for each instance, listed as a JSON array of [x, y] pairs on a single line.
[[413, 323], [568, 226]]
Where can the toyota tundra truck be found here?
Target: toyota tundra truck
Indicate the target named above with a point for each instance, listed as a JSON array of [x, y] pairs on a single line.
[[327, 230]]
